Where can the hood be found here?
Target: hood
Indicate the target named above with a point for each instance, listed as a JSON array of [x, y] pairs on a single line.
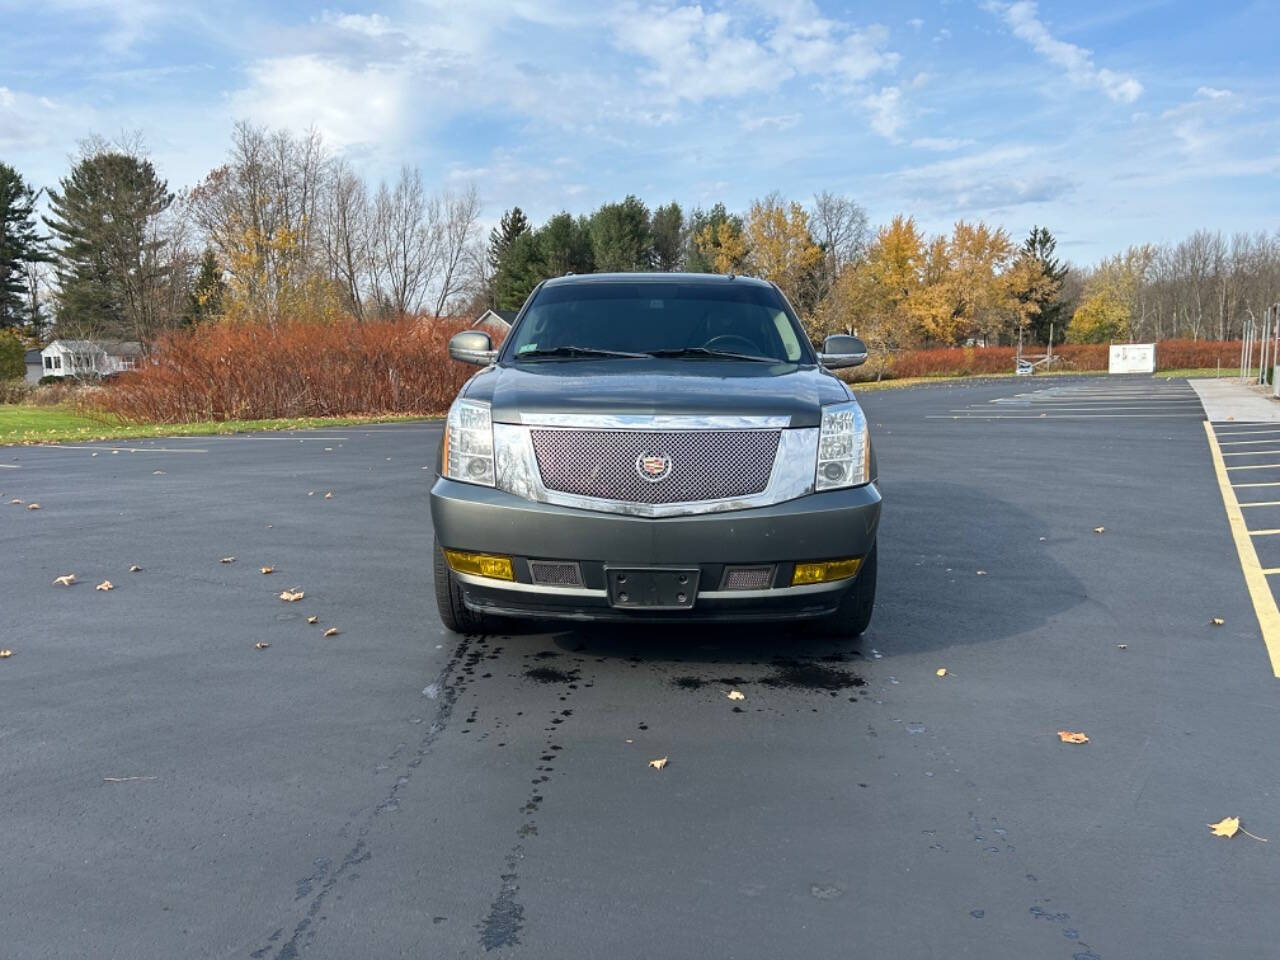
[[659, 386]]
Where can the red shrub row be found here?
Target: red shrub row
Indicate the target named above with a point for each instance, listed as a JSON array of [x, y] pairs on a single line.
[[294, 369], [967, 361]]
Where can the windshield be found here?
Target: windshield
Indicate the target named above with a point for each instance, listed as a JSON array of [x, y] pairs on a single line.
[[708, 320]]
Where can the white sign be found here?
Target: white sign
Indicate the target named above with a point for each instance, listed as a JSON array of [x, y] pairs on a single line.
[[1132, 358]]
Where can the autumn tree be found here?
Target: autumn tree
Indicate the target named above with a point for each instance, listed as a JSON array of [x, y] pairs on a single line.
[[717, 241], [781, 249]]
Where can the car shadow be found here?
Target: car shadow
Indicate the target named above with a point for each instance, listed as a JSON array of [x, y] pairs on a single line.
[[957, 567]]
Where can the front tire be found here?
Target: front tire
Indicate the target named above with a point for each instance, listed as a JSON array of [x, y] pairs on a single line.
[[454, 612], [854, 614]]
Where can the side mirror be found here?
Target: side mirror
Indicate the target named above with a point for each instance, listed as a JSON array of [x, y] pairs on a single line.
[[472, 346], [840, 350]]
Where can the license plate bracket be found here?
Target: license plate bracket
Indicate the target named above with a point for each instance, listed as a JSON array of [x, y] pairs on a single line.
[[652, 588]]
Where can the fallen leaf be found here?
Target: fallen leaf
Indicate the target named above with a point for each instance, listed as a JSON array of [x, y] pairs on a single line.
[[268, 569], [1217, 621], [630, 741], [329, 495], [1066, 736], [261, 645], [1122, 646], [311, 493], [134, 568], [331, 632], [736, 695], [105, 585], [5, 654], [1099, 529], [16, 500], [313, 619], [157, 473], [227, 560], [941, 671], [66, 580], [291, 596], [33, 506], [659, 763], [1043, 539], [1229, 827], [982, 573]]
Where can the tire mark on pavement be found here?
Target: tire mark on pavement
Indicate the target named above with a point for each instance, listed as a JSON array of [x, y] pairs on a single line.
[[304, 931]]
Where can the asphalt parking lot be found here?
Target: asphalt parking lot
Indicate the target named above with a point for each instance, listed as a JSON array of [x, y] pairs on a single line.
[[170, 789]]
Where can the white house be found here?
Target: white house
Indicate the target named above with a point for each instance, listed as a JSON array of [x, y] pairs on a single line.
[[89, 358], [496, 323]]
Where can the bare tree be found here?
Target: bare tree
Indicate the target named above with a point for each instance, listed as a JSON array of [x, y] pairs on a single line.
[[346, 235], [839, 226], [459, 231], [406, 243]]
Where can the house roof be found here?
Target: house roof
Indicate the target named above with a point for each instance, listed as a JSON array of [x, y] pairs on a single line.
[[113, 348], [503, 317], [32, 356]]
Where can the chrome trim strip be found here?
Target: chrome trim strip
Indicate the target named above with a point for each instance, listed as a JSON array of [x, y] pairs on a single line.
[[602, 421], [775, 591], [516, 587], [517, 473]]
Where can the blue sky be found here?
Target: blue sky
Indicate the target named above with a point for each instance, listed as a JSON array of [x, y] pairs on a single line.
[[1111, 123]]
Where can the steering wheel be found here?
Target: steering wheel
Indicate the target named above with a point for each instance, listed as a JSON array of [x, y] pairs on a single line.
[[722, 341]]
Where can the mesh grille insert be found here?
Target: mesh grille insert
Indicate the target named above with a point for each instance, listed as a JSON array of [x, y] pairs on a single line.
[[747, 578], [703, 464], [555, 574]]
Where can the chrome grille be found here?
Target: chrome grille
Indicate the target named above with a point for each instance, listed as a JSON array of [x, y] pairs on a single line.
[[704, 464]]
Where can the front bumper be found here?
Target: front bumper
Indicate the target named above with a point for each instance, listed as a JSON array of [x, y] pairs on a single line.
[[820, 526]]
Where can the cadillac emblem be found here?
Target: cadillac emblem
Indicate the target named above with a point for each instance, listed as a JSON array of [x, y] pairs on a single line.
[[653, 467]]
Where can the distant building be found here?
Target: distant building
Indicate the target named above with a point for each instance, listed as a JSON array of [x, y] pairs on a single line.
[[496, 323], [34, 366], [89, 358]]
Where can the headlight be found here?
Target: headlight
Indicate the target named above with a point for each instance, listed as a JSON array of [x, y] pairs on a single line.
[[468, 443], [844, 447]]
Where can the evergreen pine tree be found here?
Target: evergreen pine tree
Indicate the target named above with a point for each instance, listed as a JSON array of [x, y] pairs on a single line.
[[20, 246]]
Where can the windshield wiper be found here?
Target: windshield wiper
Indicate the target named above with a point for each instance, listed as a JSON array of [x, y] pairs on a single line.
[[705, 352], [572, 351]]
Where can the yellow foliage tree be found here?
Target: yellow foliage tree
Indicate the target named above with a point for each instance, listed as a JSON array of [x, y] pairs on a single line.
[[724, 246], [269, 281], [782, 250]]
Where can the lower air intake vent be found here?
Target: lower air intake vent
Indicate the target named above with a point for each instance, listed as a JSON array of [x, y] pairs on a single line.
[[555, 573], [747, 578]]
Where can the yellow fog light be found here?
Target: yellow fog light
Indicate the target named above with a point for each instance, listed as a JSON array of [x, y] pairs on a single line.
[[480, 564], [825, 571]]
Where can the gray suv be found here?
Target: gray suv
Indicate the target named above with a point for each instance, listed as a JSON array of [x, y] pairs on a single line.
[[656, 447]]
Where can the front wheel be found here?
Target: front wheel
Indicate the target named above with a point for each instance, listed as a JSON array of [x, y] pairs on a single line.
[[854, 614], [454, 613]]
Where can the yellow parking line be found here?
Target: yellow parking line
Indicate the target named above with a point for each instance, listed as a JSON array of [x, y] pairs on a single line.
[[1264, 602]]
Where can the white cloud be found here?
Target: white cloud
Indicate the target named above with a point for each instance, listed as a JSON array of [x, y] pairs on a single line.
[[1212, 93], [888, 115], [1022, 17], [696, 54], [348, 105], [915, 23]]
